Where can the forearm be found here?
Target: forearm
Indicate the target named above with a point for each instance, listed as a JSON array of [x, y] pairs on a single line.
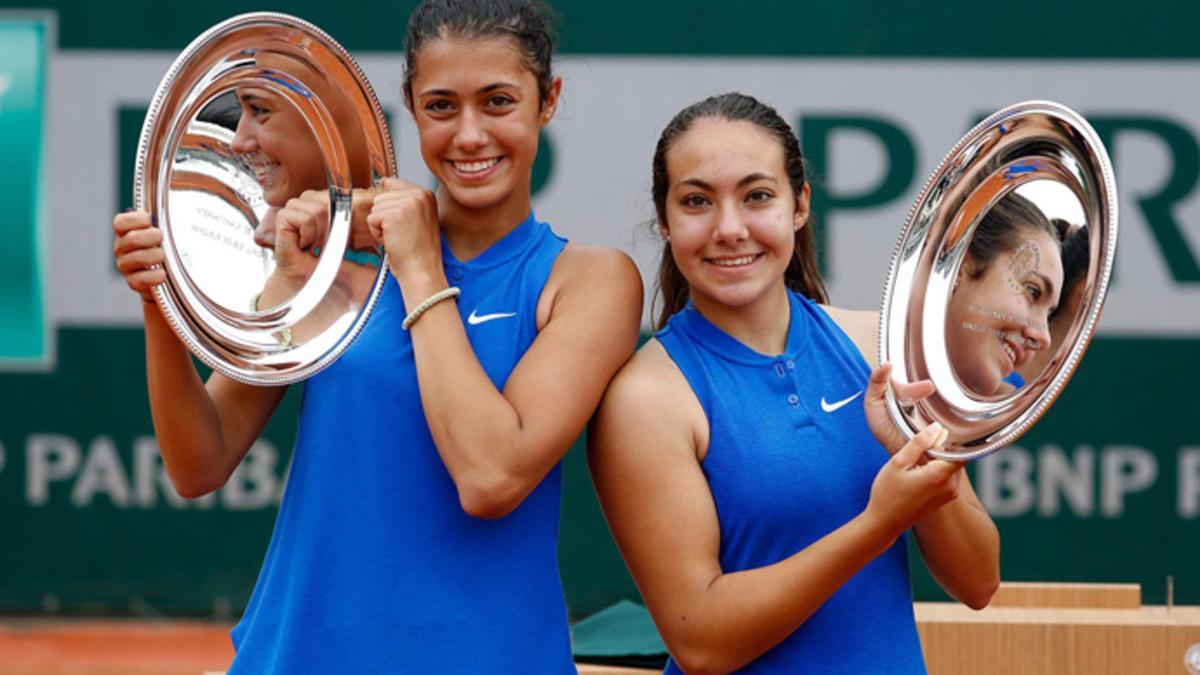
[[478, 432], [961, 547], [742, 615], [186, 423]]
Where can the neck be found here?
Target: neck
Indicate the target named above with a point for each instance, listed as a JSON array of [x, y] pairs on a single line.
[[469, 231], [761, 325]]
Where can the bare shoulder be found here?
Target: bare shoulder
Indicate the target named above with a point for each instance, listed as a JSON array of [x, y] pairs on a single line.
[[648, 375], [587, 264], [862, 326], [650, 401], [592, 279]]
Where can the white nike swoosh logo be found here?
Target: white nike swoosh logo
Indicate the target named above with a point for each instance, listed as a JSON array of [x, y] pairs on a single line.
[[476, 320], [830, 407]]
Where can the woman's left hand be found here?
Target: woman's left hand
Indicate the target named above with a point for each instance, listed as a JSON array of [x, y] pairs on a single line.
[[404, 219], [875, 405]]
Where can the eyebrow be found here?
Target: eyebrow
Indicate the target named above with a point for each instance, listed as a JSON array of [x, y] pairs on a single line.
[[251, 97], [752, 178], [483, 90]]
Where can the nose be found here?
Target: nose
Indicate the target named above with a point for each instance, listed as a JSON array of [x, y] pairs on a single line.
[[1036, 332], [243, 137], [470, 135], [730, 226]]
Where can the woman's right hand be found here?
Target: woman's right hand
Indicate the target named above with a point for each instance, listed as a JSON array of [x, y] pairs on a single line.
[[138, 252], [911, 485]]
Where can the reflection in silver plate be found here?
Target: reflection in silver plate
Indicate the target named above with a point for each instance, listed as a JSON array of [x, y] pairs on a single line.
[[1020, 150], [214, 197]]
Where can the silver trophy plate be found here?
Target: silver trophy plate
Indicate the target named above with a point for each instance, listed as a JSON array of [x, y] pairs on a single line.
[[259, 110], [999, 276]]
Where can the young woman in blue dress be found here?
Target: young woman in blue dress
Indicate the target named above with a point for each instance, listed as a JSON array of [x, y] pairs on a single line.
[[419, 526], [744, 457]]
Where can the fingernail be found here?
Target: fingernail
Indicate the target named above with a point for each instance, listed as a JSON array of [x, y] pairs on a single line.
[[935, 429], [941, 438], [906, 402]]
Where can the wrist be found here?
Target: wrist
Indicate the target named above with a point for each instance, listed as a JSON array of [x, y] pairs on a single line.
[[883, 528], [416, 285]]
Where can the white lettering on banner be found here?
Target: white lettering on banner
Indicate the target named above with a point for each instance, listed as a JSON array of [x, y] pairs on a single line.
[[100, 472], [48, 457], [1072, 478], [1189, 482], [600, 140], [150, 478], [5, 83], [1126, 469], [1007, 481]]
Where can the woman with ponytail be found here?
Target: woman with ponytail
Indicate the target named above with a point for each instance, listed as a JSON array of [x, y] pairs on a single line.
[[744, 457]]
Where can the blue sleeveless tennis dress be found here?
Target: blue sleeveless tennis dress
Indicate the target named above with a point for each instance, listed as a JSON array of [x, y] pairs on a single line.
[[790, 459], [373, 566]]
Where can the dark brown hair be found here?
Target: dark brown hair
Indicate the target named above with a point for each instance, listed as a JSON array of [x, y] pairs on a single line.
[[1076, 256], [1001, 228], [528, 23], [802, 274]]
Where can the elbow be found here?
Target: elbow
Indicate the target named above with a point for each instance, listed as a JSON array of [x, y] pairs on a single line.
[[981, 595], [700, 660], [196, 483], [698, 653], [194, 487], [489, 496]]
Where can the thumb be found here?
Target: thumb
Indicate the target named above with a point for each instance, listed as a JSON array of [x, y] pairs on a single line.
[[930, 437], [287, 237]]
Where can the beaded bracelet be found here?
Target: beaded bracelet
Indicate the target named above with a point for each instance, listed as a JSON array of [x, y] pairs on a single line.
[[444, 294]]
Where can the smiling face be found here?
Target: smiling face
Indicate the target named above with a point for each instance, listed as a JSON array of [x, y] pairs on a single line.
[[477, 109], [730, 213], [997, 317], [273, 139]]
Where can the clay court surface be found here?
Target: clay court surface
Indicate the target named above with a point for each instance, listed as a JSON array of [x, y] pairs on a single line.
[[112, 647]]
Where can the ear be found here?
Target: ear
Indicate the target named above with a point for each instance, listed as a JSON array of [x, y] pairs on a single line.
[[802, 208], [550, 105]]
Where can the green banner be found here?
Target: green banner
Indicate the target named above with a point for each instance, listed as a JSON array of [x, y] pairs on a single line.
[[1105, 488], [23, 49]]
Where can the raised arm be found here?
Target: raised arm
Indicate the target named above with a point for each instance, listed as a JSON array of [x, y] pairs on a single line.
[[643, 451], [498, 445], [203, 430]]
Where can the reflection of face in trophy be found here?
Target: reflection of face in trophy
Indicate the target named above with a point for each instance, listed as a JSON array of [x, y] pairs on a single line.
[[275, 141], [1075, 259], [998, 316]]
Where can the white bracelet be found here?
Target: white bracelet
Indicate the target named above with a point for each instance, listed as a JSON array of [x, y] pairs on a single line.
[[444, 294]]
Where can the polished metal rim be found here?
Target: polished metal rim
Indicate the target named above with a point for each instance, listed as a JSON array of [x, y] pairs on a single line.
[[979, 427], [245, 346]]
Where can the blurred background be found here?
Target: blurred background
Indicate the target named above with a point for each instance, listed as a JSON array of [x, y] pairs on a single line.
[[1105, 488]]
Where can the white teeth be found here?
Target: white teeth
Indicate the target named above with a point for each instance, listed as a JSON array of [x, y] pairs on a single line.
[[476, 167], [1012, 356], [261, 165], [733, 262]]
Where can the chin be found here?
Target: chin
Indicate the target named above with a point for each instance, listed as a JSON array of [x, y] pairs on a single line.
[[477, 197]]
